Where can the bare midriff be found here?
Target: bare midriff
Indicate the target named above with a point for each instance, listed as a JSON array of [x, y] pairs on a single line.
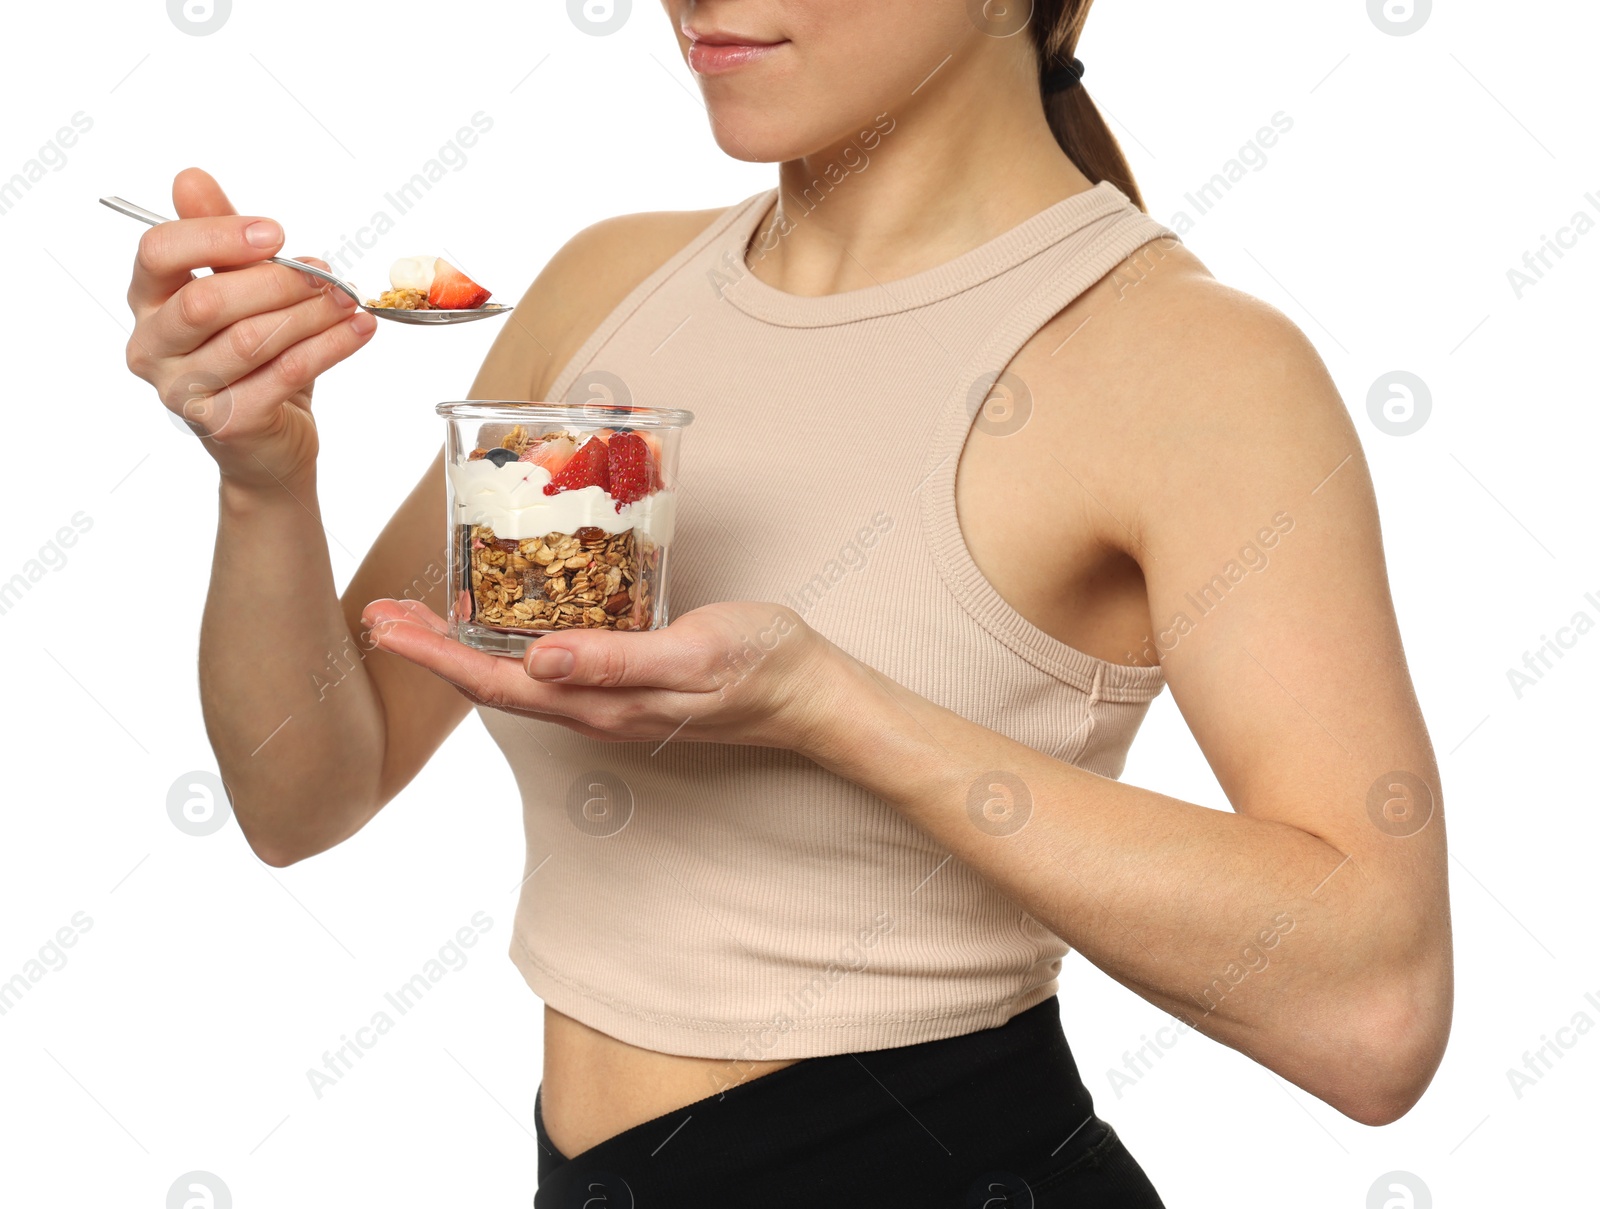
[[595, 1086]]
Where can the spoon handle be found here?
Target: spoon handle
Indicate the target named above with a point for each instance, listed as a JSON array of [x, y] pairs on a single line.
[[122, 206]]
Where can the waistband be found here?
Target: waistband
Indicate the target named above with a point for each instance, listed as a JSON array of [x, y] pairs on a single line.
[[888, 1127]]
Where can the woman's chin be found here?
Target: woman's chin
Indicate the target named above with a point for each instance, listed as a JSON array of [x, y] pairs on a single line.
[[759, 133]]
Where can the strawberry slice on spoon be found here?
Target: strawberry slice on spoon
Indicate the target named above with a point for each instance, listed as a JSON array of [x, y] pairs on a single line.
[[453, 290]]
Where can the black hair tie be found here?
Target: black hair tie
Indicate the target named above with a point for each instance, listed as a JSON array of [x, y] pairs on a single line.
[[1059, 79]]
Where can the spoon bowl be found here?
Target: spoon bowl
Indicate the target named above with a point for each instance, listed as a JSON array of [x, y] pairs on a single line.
[[430, 318], [436, 318]]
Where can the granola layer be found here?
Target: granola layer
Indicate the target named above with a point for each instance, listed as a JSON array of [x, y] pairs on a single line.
[[589, 579]]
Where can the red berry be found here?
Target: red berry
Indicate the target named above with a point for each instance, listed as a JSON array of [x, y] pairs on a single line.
[[588, 468], [453, 290], [654, 442], [633, 471]]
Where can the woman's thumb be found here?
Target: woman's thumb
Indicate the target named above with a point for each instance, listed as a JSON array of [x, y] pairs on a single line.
[[196, 194]]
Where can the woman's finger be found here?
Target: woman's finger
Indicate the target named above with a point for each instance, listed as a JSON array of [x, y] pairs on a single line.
[[390, 609], [501, 683], [196, 194], [207, 305], [169, 253], [666, 658], [250, 343], [490, 679], [296, 367]]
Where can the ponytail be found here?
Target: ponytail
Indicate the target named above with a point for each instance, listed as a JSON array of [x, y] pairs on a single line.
[[1073, 117]]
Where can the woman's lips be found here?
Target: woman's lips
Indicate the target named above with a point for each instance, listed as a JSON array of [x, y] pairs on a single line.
[[714, 58]]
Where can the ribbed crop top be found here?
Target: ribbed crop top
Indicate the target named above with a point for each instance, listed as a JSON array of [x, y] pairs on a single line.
[[742, 902]]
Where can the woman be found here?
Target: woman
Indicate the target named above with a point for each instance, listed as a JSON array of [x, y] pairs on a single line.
[[983, 457]]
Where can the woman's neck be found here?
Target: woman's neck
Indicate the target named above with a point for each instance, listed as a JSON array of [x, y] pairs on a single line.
[[966, 159]]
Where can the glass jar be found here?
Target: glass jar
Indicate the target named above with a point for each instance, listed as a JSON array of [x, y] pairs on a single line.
[[560, 518]]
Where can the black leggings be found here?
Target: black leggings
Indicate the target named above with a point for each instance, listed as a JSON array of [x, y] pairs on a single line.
[[995, 1119]]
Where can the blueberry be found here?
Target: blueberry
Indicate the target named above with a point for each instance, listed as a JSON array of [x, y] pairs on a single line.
[[500, 456], [622, 430]]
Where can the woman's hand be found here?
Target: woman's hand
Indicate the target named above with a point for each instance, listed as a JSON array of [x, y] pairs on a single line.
[[235, 353], [738, 672]]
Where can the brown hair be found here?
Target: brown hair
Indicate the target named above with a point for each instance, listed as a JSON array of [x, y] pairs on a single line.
[[1074, 120]]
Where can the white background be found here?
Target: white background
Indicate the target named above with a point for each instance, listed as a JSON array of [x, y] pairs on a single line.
[[1418, 171]]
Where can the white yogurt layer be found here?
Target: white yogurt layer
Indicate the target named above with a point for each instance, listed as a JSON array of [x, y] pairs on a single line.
[[510, 499]]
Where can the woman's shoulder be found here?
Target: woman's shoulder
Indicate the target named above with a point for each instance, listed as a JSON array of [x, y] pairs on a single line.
[[1165, 297], [616, 254], [589, 276], [1172, 344], [1181, 382]]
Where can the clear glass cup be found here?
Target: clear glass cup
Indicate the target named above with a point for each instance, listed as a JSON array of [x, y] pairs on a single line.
[[560, 517]]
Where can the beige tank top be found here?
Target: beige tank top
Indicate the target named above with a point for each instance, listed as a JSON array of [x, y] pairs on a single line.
[[744, 903]]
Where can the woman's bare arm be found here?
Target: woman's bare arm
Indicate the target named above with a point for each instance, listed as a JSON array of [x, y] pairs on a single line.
[[1309, 927], [313, 729]]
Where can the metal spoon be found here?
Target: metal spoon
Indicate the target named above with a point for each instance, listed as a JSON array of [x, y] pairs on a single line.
[[421, 318]]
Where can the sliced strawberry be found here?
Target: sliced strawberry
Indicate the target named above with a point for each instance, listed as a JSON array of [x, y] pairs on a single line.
[[588, 468], [633, 470], [453, 290], [654, 442], [552, 454]]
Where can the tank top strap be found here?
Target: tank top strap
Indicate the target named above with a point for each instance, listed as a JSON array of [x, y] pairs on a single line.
[[1078, 259]]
